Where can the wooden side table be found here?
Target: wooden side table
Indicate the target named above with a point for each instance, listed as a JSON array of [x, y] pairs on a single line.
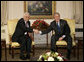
[[3, 45], [79, 39]]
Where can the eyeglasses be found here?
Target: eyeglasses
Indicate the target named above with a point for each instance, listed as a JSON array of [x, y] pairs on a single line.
[[27, 16]]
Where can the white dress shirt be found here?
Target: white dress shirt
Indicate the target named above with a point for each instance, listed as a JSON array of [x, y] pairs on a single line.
[[27, 23], [27, 26]]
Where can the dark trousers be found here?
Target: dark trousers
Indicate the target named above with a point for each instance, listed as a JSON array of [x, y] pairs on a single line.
[[68, 39], [25, 42]]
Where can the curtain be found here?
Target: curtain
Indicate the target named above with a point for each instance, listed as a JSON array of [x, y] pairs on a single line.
[[4, 12], [78, 12]]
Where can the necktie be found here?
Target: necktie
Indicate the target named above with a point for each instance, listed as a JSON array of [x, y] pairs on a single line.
[[26, 25], [58, 27]]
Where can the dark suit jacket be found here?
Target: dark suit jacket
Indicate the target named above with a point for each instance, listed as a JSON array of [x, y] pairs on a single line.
[[65, 30], [21, 29]]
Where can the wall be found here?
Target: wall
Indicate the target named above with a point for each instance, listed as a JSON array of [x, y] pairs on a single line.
[[16, 10], [78, 12], [65, 8]]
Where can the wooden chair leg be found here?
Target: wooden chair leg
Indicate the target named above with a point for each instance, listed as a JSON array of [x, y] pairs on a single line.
[[1, 51], [9, 49], [74, 52], [5, 52], [33, 50], [77, 47], [12, 52], [78, 52]]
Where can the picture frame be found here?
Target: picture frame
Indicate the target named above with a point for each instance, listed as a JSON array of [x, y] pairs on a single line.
[[40, 9]]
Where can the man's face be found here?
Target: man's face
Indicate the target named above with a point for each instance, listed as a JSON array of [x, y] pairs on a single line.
[[26, 17], [57, 17]]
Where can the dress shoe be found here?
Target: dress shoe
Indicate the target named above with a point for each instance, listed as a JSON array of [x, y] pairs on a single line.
[[28, 56], [23, 57], [68, 57]]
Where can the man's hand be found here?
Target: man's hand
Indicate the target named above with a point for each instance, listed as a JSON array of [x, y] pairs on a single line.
[[61, 38], [36, 31]]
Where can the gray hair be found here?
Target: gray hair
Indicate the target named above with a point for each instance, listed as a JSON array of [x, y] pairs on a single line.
[[26, 13], [57, 13]]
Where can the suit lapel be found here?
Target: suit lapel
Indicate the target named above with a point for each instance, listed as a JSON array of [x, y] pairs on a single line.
[[24, 22], [29, 23], [61, 26], [55, 25]]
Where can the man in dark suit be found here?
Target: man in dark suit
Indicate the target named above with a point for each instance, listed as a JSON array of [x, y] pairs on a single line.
[[62, 32], [21, 35]]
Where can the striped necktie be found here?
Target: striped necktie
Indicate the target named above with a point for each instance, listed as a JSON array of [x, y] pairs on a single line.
[[26, 24], [58, 27]]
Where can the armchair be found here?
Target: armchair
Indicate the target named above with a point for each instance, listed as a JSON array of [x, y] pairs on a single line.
[[11, 24], [63, 44]]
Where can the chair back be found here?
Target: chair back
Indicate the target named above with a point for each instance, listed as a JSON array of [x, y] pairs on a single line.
[[71, 24], [11, 25]]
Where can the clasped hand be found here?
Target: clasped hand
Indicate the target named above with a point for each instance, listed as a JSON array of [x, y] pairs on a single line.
[[36, 31]]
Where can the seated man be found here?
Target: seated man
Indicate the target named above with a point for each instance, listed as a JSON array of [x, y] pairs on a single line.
[[21, 36], [62, 32]]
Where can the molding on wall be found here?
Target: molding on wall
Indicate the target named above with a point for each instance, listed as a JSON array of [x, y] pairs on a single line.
[[79, 25]]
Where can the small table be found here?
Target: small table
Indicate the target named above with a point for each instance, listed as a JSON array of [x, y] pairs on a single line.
[[3, 44], [79, 39], [46, 39]]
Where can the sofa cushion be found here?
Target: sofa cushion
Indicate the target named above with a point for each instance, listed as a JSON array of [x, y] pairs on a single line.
[[64, 43], [16, 44]]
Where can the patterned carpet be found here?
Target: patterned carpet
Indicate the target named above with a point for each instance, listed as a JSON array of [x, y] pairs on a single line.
[[40, 49]]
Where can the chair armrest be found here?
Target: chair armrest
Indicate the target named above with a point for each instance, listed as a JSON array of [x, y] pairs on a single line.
[[10, 39]]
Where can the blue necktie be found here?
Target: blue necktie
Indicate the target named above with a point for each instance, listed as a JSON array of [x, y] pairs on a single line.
[[58, 27]]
